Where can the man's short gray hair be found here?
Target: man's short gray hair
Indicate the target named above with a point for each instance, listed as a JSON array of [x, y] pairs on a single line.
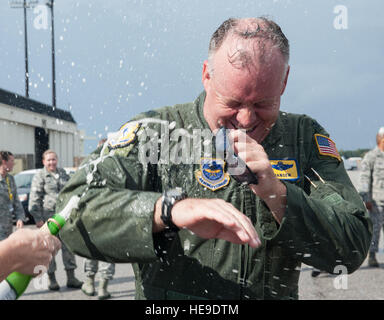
[[380, 135], [259, 28]]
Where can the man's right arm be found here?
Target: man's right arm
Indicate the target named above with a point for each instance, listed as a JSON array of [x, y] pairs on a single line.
[[113, 219]]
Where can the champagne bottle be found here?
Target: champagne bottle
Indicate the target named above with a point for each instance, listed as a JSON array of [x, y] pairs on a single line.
[[16, 283]]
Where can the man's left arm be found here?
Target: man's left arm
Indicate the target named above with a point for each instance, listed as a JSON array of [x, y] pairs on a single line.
[[328, 224]]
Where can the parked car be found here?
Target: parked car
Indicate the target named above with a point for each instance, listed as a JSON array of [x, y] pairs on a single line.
[[23, 183], [352, 163]]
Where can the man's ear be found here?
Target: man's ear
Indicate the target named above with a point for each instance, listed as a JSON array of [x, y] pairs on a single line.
[[205, 77], [285, 80], [381, 144]]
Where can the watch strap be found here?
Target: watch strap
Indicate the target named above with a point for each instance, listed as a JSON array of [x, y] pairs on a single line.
[[169, 199], [166, 216]]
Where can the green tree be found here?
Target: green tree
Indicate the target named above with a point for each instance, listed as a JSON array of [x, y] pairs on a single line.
[[353, 153]]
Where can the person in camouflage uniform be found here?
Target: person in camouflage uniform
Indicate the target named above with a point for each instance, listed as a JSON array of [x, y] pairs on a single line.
[[106, 271], [46, 185], [158, 195], [372, 191], [9, 201]]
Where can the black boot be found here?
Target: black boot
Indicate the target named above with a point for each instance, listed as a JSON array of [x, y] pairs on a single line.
[[315, 273], [53, 285], [372, 262], [72, 281]]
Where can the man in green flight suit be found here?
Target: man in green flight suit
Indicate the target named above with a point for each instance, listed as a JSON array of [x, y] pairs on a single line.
[[157, 195]]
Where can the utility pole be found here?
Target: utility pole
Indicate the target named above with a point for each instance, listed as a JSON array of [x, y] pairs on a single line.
[[17, 5], [50, 5], [26, 51]]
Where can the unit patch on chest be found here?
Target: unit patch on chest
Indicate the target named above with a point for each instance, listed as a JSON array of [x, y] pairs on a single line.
[[211, 174], [286, 169]]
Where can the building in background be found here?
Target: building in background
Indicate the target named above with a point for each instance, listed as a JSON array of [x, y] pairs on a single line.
[[29, 127]]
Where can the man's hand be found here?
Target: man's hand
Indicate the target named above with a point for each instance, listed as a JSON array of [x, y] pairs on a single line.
[[31, 248], [269, 188], [210, 218]]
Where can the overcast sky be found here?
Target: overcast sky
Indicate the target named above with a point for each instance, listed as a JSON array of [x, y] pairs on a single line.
[[117, 58]]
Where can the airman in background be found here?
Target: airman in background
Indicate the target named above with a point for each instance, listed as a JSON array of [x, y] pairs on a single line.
[[372, 191], [46, 185], [9, 201]]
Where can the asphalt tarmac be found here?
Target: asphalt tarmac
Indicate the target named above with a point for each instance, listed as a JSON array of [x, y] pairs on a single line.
[[364, 284]]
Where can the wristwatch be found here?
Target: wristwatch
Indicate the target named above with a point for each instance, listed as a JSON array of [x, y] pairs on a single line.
[[170, 197]]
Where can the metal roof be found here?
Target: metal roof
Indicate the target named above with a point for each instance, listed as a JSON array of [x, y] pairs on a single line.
[[19, 101]]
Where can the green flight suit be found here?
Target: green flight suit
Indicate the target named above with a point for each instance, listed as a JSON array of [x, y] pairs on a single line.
[[324, 226]]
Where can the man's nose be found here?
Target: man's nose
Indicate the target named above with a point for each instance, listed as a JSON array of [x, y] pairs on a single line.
[[246, 116]]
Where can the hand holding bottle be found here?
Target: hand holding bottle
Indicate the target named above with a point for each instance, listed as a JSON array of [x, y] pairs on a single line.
[[26, 249]]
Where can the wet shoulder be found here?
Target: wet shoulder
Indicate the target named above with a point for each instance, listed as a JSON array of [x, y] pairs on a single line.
[[302, 120], [300, 126], [151, 124], [168, 117], [178, 114]]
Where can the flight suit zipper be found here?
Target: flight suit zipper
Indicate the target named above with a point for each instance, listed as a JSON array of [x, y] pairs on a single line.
[[244, 256]]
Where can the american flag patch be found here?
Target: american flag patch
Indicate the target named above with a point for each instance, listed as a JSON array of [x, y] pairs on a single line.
[[326, 146]]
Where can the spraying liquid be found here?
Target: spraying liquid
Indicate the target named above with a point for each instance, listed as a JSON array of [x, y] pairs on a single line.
[[16, 283]]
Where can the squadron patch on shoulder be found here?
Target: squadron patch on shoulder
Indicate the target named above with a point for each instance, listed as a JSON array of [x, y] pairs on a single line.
[[126, 136], [326, 146], [211, 174], [286, 169]]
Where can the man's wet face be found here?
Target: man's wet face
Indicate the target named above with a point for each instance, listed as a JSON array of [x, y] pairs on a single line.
[[244, 96]]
